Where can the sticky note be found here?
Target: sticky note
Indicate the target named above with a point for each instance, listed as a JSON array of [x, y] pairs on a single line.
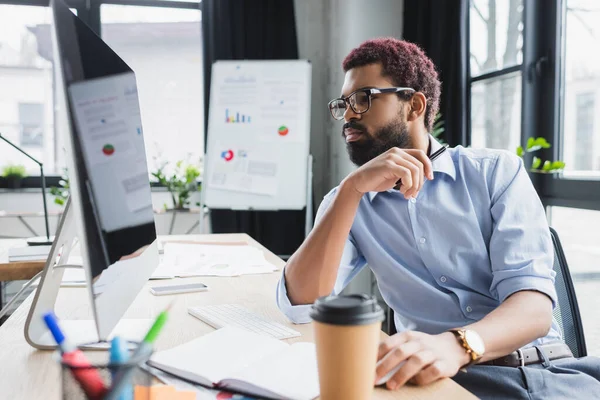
[[156, 392], [185, 395]]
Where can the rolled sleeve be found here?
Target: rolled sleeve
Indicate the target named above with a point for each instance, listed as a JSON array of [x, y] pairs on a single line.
[[298, 314], [521, 251], [350, 265]]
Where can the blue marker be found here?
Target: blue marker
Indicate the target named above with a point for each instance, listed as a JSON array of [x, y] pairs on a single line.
[[119, 355], [88, 377]]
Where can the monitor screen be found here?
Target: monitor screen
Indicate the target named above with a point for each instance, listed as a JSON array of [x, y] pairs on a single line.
[[107, 157]]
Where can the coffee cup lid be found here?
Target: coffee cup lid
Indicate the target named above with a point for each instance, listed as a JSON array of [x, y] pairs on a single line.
[[355, 309]]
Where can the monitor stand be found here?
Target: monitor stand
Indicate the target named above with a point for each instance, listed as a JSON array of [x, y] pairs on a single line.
[[80, 332]]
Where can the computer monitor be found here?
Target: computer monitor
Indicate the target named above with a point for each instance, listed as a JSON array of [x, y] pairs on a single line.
[[110, 201]]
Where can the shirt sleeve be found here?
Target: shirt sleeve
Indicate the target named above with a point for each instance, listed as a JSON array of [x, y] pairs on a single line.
[[521, 250], [350, 265]]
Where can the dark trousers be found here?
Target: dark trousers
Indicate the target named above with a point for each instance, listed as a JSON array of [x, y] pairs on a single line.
[[566, 378]]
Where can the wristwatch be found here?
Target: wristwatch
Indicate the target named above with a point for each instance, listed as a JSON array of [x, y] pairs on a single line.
[[472, 343]]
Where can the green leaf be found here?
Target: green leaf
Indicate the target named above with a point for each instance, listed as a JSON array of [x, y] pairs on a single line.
[[536, 163], [542, 142], [530, 143], [537, 144], [557, 165], [520, 151], [547, 166]]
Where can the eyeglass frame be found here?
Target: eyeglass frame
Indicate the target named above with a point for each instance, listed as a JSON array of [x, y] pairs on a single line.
[[370, 92]]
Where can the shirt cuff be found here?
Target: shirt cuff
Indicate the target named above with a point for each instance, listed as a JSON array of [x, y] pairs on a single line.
[[297, 314], [516, 284]]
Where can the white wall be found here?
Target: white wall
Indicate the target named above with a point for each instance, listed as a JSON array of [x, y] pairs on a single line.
[[327, 31]]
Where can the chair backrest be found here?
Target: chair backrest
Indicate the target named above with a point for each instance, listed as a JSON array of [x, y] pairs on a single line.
[[566, 312]]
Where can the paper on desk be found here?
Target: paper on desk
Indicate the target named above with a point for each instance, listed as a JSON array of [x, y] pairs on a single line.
[[187, 260], [72, 277]]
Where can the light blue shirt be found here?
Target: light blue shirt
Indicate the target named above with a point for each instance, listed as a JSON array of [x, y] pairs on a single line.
[[475, 234]]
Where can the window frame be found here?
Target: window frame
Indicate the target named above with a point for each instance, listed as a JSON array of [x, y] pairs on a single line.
[[89, 12]]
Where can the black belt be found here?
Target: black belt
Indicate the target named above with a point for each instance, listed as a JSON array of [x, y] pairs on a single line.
[[528, 356]]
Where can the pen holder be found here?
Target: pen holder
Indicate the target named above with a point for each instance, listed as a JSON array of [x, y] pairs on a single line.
[[94, 381]]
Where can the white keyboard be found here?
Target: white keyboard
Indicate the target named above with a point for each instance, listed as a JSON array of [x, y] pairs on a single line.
[[219, 316]]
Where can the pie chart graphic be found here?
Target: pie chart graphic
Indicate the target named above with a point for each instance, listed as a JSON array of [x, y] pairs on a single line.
[[283, 130], [108, 149], [227, 155]]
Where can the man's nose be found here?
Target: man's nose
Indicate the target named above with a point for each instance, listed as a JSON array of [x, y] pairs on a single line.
[[350, 115]]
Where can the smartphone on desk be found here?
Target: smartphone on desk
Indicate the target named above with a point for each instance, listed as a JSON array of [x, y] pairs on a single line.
[[175, 289]]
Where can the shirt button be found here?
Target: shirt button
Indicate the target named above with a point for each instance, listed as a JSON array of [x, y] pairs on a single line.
[[443, 279], [413, 200], [422, 240], [469, 309]]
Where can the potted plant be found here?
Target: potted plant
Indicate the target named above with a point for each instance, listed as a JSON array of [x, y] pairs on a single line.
[[547, 167], [14, 174], [181, 182], [61, 193]]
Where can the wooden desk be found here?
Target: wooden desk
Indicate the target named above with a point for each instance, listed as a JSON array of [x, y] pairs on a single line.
[[26, 373], [14, 271]]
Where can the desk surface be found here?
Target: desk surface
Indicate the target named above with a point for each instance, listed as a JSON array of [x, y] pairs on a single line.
[[26, 373], [14, 271]]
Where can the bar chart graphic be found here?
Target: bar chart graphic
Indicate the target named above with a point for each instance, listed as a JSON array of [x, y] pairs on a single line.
[[236, 117]]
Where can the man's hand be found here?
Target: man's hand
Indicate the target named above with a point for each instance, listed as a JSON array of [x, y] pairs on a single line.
[[382, 172], [427, 358]]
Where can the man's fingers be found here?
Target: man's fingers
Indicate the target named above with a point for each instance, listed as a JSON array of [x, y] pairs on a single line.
[[421, 156], [403, 173], [408, 189], [413, 366], [417, 169], [395, 356], [429, 374], [389, 343]]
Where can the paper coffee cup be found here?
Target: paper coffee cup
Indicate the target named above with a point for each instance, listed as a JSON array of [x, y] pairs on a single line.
[[347, 333]]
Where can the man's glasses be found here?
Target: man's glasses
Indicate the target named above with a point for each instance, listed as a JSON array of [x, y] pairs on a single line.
[[360, 100]]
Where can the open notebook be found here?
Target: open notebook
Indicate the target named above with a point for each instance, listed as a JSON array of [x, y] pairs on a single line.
[[237, 360]]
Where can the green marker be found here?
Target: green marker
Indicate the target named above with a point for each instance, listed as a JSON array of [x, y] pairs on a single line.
[[156, 327], [123, 377]]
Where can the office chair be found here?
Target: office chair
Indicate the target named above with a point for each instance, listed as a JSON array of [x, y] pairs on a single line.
[[567, 310]]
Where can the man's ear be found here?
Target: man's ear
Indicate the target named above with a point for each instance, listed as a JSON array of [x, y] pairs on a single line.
[[418, 105]]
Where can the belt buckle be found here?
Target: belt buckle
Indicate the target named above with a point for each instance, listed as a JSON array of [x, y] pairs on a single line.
[[521, 359]]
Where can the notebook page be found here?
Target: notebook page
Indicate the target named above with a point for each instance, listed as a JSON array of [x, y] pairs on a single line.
[[290, 373], [217, 355]]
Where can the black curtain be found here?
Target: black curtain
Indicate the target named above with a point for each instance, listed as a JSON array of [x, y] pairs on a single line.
[[251, 30], [440, 28]]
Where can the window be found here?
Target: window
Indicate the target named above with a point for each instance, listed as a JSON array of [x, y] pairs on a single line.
[[495, 60], [496, 112], [26, 97], [578, 231], [584, 133], [163, 46], [31, 125], [581, 81]]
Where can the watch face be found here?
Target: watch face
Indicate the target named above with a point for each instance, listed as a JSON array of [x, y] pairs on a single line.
[[475, 342]]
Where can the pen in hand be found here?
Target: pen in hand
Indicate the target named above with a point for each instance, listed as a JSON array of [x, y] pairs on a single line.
[[432, 158]]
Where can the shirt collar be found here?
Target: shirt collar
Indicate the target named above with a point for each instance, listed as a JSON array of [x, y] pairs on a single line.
[[443, 164]]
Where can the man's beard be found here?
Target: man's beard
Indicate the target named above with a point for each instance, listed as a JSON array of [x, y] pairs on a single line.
[[395, 134]]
